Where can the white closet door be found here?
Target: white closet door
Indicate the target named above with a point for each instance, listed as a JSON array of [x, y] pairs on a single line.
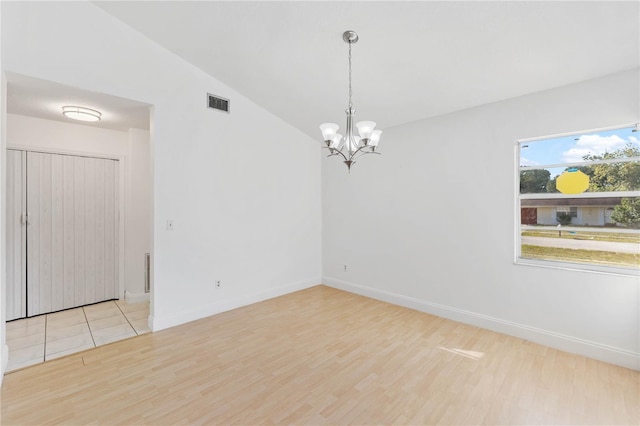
[[16, 305], [72, 235]]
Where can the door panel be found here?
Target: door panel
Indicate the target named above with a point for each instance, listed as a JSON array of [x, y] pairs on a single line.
[[111, 229], [68, 245], [57, 234], [16, 234], [90, 232], [33, 233], [78, 232], [100, 229]]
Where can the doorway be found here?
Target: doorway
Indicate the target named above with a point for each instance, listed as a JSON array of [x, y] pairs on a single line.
[[35, 124]]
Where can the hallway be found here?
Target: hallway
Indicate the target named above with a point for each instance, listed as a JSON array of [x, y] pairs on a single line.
[[46, 337]]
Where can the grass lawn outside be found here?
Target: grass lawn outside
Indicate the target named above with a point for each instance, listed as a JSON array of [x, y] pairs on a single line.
[[626, 260], [615, 237]]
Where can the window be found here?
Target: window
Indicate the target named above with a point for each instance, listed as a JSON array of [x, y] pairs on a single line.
[[579, 200], [565, 212]]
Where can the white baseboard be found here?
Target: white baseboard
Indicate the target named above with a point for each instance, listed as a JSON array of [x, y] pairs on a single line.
[[159, 323], [136, 297], [552, 339]]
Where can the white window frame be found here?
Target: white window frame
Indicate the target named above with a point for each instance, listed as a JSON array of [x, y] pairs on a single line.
[[569, 266]]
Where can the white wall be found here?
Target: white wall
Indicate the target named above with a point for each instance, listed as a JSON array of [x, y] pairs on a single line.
[[4, 350], [138, 207], [430, 224], [131, 147], [35, 133], [243, 188]]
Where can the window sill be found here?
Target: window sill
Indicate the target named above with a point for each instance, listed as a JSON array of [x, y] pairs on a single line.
[[578, 267]]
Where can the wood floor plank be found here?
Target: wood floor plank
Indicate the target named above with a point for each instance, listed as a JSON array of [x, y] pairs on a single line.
[[322, 356]]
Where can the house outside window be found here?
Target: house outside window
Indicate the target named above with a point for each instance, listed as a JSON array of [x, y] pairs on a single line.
[[579, 201]]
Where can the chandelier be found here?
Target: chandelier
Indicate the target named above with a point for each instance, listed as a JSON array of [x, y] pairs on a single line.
[[351, 146]]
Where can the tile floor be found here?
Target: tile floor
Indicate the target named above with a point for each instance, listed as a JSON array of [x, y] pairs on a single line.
[[50, 336]]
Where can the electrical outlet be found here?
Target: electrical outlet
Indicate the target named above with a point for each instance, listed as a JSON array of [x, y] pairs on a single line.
[[345, 268], [218, 284]]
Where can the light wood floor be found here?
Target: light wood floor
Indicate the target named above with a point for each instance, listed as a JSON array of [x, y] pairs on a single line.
[[322, 356]]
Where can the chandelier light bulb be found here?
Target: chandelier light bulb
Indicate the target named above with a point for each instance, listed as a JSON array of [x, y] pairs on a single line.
[[365, 128], [335, 141], [375, 138], [329, 130]]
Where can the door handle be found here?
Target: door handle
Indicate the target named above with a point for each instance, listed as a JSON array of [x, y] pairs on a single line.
[[24, 218]]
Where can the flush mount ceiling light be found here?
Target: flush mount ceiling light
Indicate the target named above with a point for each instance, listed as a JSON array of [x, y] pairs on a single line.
[[81, 113], [351, 147]]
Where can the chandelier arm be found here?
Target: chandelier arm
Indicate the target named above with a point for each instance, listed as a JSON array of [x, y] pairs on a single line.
[[336, 152], [360, 149]]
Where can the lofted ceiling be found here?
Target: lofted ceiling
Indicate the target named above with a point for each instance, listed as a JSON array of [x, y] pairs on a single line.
[[414, 59]]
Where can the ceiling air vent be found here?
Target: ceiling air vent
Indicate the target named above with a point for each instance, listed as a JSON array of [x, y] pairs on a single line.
[[216, 102]]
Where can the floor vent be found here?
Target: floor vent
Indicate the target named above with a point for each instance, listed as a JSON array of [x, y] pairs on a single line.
[[147, 272], [216, 102]]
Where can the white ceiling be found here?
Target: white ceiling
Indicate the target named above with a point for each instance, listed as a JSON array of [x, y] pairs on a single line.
[[414, 59], [44, 99]]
